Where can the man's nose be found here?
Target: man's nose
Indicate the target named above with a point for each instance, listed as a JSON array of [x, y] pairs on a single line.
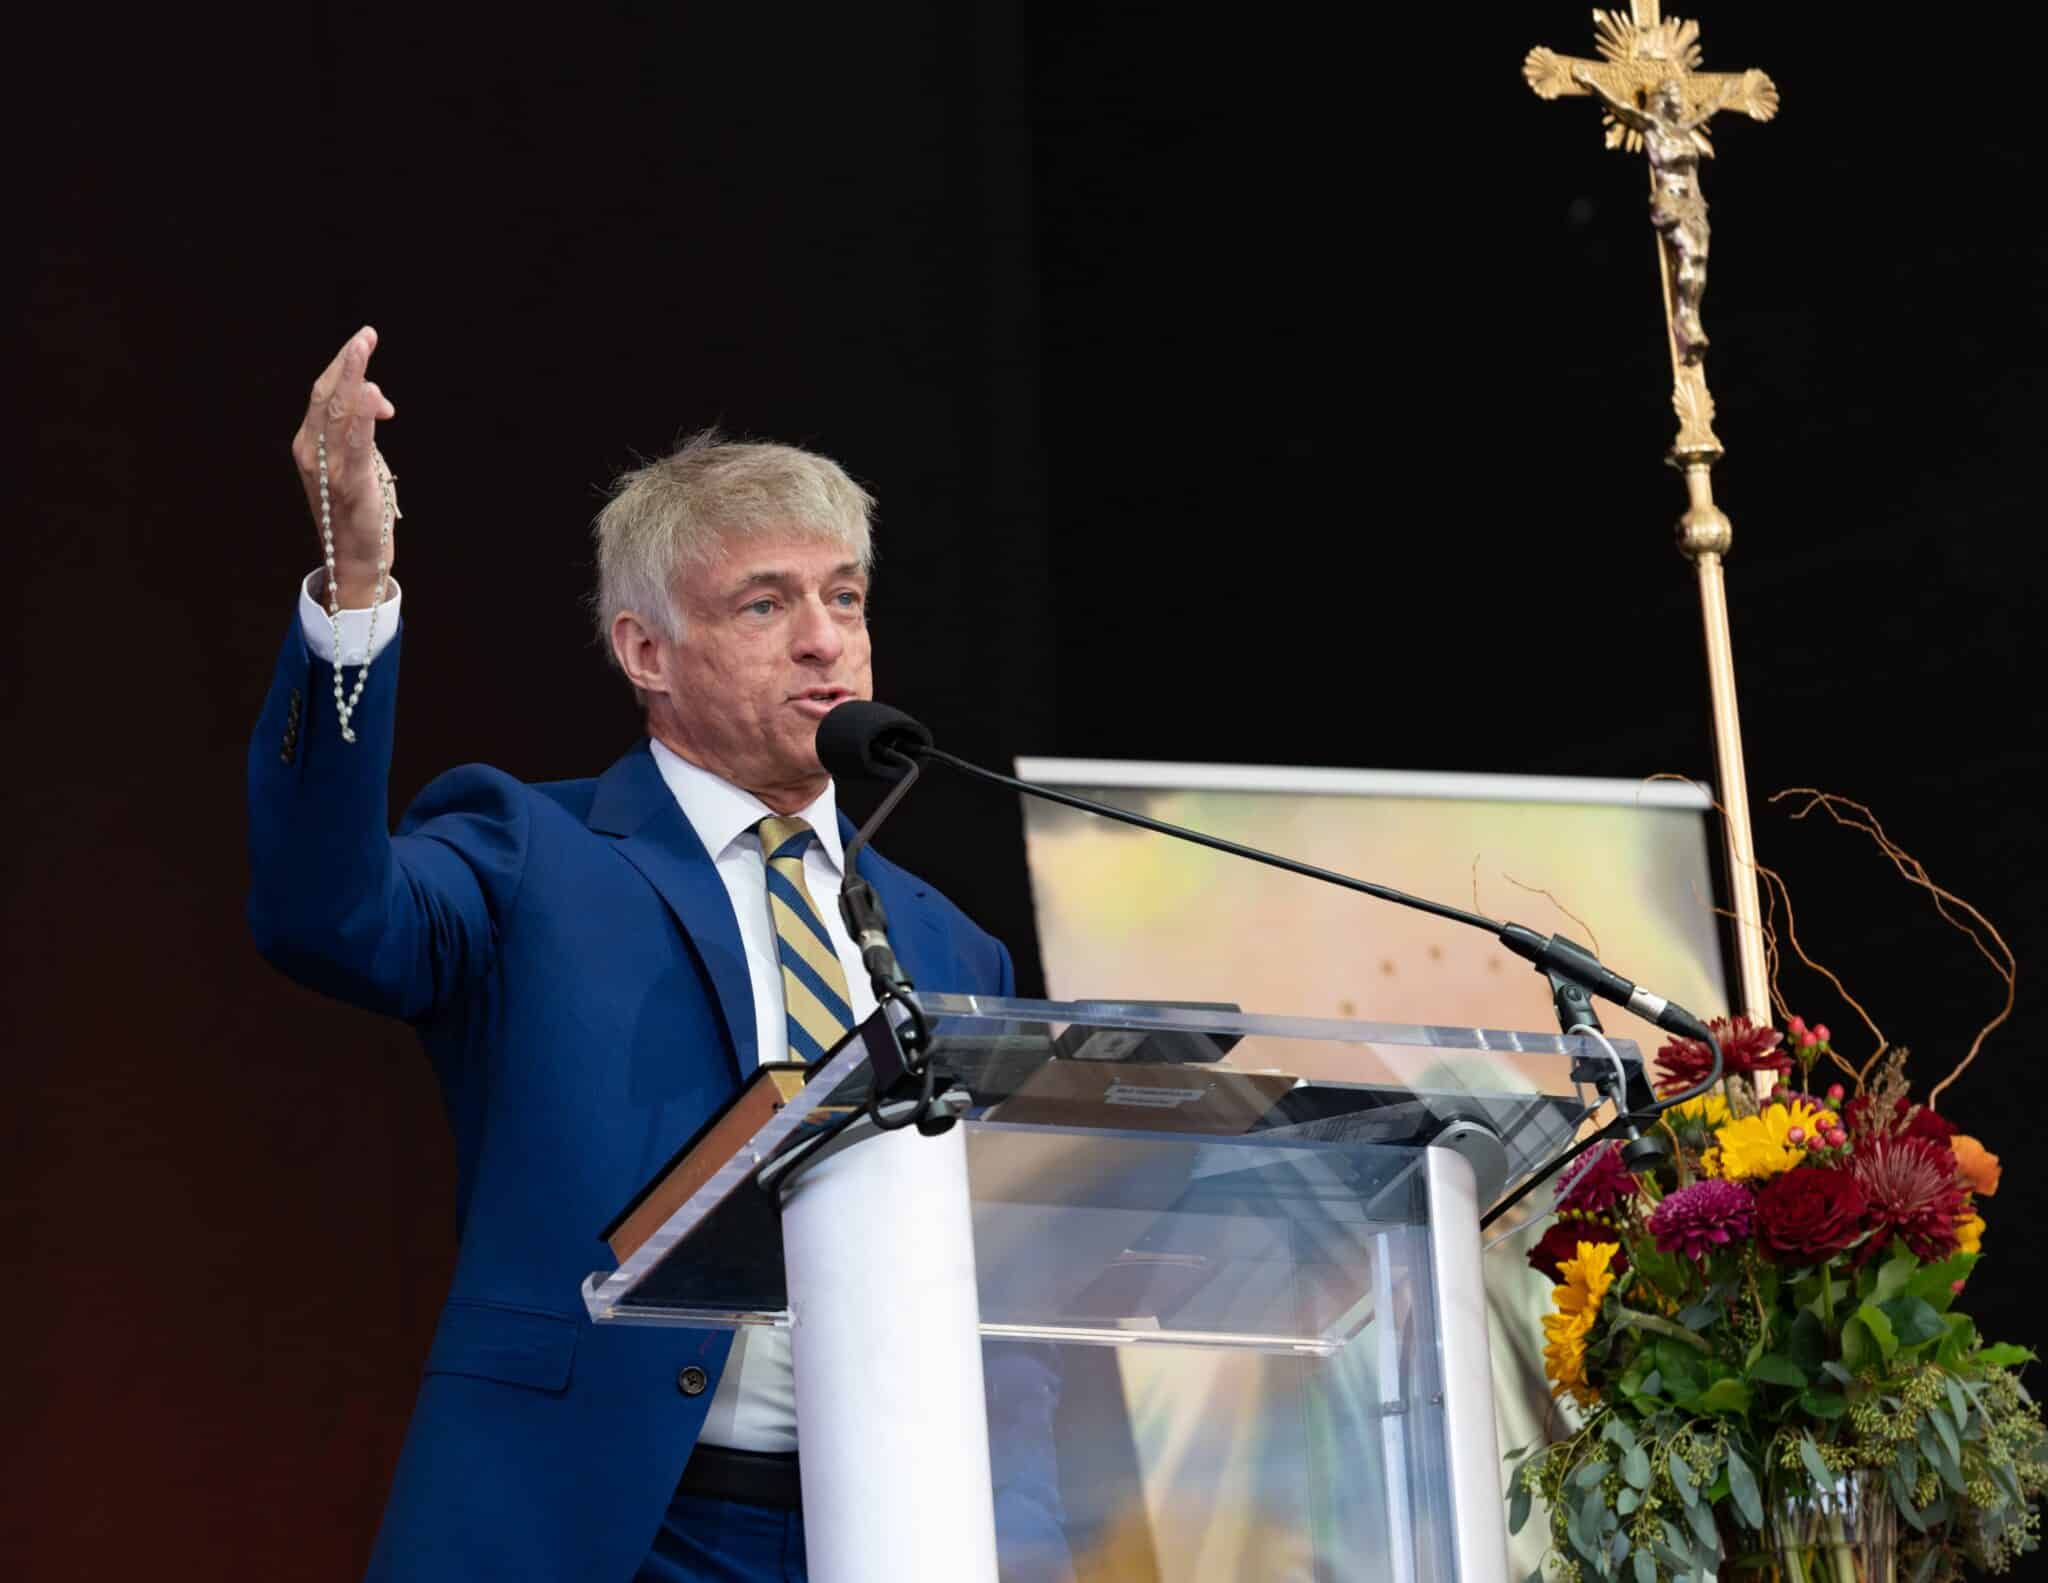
[[817, 638]]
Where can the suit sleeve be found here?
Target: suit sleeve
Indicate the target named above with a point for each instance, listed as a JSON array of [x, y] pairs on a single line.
[[395, 925]]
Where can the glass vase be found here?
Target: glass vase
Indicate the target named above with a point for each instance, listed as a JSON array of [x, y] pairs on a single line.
[[1847, 1532]]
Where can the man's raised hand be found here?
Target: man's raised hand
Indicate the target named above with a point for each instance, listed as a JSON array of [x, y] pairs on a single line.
[[346, 408]]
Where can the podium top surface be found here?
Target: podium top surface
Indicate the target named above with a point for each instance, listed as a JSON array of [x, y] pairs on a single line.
[[1166, 1121]]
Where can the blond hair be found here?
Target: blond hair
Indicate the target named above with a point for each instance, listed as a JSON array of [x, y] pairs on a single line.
[[677, 513]]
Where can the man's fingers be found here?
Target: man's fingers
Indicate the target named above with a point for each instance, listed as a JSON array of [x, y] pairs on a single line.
[[370, 405], [338, 389]]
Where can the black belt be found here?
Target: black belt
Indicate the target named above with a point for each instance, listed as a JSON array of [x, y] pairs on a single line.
[[753, 1478]]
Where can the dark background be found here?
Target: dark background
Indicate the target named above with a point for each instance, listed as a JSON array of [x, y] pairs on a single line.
[[1238, 386]]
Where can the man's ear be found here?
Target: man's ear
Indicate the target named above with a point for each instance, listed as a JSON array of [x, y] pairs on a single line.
[[638, 651]]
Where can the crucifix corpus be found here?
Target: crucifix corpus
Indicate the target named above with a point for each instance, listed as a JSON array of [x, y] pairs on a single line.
[[1658, 104]]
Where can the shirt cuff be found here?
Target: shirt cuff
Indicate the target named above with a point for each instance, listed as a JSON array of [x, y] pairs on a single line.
[[358, 647]]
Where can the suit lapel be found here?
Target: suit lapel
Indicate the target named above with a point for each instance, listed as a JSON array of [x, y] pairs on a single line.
[[634, 804]]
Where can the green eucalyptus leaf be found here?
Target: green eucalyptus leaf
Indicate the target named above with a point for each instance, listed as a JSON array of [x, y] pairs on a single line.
[[1635, 1467], [1945, 1427], [1776, 1370], [1627, 1501], [1742, 1485], [1592, 1524], [1591, 1474], [1937, 1452], [1835, 1371], [1902, 1497], [1958, 1403], [1699, 1315], [1908, 1464], [1681, 1478], [1616, 1430], [1809, 1453], [1646, 1568], [1702, 1519], [1518, 1507], [1653, 1384]]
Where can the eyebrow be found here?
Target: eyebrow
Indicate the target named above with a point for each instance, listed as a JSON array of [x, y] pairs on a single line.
[[787, 579]]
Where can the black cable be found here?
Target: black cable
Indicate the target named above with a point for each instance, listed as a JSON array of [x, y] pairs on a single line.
[[1614, 1130], [1217, 843]]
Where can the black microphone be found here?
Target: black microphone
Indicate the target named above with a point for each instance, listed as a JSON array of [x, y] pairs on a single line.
[[864, 739]]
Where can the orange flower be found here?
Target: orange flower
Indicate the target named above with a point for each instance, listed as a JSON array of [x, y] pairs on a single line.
[[1978, 1165]]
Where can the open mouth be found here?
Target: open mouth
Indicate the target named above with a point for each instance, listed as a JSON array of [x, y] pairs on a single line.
[[820, 700]]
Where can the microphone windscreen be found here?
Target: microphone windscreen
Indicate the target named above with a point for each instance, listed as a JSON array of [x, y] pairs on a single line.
[[860, 738]]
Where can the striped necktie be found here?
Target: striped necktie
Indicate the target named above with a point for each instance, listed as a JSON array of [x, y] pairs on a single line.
[[813, 983]]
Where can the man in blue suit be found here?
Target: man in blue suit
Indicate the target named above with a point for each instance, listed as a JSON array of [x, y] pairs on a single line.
[[591, 966]]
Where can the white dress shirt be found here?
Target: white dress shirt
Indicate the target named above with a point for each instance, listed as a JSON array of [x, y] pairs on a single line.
[[754, 1407]]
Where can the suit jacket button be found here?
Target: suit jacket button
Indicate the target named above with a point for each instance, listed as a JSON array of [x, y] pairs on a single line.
[[692, 1380]]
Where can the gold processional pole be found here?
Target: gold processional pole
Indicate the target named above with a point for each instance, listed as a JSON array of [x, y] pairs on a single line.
[[1658, 103]]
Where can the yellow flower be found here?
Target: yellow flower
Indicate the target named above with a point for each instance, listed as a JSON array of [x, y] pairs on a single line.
[[1584, 1284], [1758, 1146], [1710, 1109], [1970, 1234]]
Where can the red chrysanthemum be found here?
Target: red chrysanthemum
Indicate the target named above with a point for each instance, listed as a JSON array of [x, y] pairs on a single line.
[[1745, 1049], [1698, 1219], [1915, 1193], [1561, 1241], [1596, 1183], [1808, 1215]]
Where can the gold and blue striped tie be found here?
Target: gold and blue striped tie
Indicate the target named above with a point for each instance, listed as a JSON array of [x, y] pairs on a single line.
[[813, 982]]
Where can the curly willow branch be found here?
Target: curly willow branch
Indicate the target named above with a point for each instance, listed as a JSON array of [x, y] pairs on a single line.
[[1914, 872], [1592, 939], [1774, 894]]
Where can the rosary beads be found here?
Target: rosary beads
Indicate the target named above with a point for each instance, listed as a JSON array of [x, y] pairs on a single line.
[[386, 482]]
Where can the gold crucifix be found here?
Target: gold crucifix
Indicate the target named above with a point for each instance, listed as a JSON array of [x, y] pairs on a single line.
[[1657, 102]]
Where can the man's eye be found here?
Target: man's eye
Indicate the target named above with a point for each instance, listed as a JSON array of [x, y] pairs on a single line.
[[762, 607], [848, 599]]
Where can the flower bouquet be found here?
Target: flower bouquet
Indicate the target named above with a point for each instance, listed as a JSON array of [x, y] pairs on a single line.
[[1762, 1335]]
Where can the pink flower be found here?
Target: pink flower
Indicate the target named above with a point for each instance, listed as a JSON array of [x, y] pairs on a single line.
[[1696, 1220], [1596, 1183]]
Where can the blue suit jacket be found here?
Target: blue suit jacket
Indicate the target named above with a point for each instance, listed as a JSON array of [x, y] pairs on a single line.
[[570, 959]]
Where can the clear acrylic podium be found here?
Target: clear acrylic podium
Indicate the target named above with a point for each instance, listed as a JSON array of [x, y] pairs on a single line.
[[1245, 1247]]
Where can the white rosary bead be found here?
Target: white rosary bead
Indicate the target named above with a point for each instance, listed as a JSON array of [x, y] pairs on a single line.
[[345, 708]]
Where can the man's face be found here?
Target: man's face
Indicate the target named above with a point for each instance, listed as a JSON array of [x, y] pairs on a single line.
[[775, 635]]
